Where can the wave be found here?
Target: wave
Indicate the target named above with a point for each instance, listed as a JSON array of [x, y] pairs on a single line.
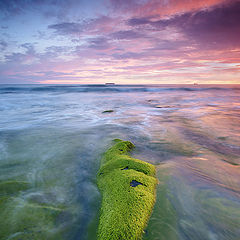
[[105, 88]]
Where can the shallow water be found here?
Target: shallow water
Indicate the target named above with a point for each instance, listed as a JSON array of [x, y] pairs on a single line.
[[52, 138]]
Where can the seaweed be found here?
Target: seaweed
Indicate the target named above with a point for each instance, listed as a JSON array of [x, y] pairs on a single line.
[[22, 220], [12, 187], [128, 193]]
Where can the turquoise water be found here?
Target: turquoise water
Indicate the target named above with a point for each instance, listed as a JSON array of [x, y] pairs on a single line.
[[52, 138]]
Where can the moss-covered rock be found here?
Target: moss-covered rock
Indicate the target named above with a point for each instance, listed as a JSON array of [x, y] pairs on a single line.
[[128, 193], [162, 224]]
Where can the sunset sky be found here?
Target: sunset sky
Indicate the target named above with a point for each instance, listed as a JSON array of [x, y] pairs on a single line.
[[121, 41]]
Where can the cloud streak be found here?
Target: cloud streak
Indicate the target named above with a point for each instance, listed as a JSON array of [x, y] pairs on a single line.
[[66, 28]]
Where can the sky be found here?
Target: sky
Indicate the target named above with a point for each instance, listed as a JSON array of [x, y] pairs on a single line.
[[120, 41]]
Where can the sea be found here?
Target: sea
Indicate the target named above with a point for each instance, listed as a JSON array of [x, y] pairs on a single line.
[[52, 138]]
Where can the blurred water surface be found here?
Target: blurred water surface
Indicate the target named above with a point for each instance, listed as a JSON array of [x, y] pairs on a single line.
[[52, 138]]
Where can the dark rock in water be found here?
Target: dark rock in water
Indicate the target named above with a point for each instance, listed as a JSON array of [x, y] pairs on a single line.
[[162, 106], [108, 111], [135, 183], [222, 138], [231, 161]]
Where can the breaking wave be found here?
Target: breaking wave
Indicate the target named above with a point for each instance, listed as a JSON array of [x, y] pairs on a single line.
[[112, 88]]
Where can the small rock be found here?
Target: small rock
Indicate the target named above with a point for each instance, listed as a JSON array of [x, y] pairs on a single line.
[[108, 111], [160, 106]]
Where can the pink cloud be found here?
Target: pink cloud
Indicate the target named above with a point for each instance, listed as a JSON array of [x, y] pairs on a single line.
[[172, 7]]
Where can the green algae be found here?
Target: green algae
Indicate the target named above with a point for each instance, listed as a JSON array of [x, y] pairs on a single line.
[[92, 230], [227, 213], [12, 187], [23, 219], [125, 209], [163, 222]]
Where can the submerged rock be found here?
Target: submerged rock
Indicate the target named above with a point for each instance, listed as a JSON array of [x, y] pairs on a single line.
[[162, 106], [127, 196]]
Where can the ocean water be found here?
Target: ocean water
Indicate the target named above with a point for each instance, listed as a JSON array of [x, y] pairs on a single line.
[[52, 138]]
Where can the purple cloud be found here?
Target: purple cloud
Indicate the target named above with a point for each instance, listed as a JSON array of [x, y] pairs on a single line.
[[3, 45], [124, 4], [66, 28], [217, 26], [98, 43], [139, 21], [49, 8], [129, 34], [11, 7], [129, 55], [49, 74], [28, 46], [168, 45]]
